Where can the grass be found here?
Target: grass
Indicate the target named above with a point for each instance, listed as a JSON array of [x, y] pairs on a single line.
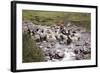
[[50, 18], [31, 53]]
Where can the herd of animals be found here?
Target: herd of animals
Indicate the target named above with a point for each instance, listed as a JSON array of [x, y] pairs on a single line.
[[60, 43]]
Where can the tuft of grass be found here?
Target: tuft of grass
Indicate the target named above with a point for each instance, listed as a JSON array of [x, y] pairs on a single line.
[[31, 53]]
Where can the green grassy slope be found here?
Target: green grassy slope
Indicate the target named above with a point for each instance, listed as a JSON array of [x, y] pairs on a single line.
[[50, 17], [31, 53]]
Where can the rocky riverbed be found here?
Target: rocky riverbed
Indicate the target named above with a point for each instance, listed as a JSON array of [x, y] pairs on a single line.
[[60, 44]]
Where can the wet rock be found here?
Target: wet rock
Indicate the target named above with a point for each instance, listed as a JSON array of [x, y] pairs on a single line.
[[59, 54], [69, 40]]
